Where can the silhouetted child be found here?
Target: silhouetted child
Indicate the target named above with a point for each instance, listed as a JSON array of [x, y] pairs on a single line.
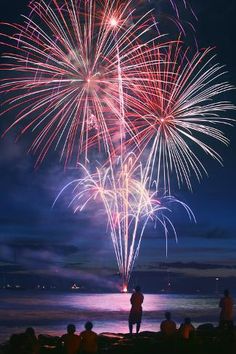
[[186, 329], [135, 315], [89, 340], [70, 340], [168, 326]]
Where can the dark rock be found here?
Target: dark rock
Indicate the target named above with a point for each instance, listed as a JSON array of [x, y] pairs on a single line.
[[208, 340], [205, 327]]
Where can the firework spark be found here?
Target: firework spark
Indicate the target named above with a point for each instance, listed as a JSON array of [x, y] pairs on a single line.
[[86, 75], [128, 204], [65, 75], [181, 115]]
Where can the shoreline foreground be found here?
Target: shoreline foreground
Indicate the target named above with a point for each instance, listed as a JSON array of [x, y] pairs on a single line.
[[206, 340]]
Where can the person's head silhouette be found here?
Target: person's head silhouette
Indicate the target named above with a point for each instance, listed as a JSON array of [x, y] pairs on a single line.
[[88, 326], [168, 315], [71, 328], [226, 292], [30, 332], [187, 320]]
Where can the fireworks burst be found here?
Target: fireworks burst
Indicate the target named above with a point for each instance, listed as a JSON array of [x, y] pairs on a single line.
[[128, 204], [65, 76], [86, 75], [181, 114]]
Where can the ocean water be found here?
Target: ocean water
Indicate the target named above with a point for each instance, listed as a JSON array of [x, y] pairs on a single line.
[[50, 312]]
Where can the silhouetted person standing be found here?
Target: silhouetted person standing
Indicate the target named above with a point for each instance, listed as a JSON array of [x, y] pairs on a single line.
[[226, 313], [89, 340], [70, 340], [135, 315]]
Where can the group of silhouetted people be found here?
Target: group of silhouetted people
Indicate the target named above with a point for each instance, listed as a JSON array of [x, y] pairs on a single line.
[[168, 326], [87, 341], [68, 343], [84, 343]]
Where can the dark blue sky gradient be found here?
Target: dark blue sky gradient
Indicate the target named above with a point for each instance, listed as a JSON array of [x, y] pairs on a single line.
[[38, 242]]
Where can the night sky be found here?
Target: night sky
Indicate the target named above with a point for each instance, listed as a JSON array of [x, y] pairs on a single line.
[[44, 245]]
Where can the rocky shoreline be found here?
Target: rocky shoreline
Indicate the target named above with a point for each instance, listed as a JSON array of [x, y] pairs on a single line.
[[207, 340]]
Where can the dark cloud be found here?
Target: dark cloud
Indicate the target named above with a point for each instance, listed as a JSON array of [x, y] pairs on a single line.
[[10, 268], [36, 253], [194, 265], [215, 233], [42, 244]]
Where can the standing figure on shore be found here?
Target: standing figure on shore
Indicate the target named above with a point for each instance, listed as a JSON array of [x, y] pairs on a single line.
[[168, 326], [89, 340], [70, 340], [226, 313], [135, 315]]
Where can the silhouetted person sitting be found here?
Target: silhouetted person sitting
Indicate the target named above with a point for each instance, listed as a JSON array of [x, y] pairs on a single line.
[[135, 315], [31, 341], [17, 344], [89, 340], [186, 329], [168, 326], [70, 340], [226, 313], [24, 343]]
